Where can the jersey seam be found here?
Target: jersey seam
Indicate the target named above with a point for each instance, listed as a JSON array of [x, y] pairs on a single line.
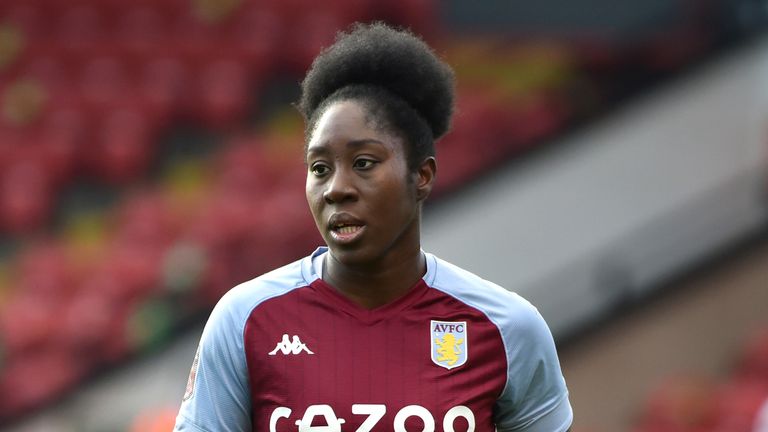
[[260, 302], [193, 424], [495, 324], [248, 318], [563, 398]]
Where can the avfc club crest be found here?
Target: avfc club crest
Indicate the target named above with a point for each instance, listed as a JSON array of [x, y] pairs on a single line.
[[449, 343]]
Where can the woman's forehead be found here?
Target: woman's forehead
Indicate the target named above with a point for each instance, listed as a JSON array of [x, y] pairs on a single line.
[[348, 122], [340, 118]]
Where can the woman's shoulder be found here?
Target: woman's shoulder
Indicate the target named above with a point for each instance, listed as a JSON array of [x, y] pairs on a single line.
[[240, 301], [502, 306]]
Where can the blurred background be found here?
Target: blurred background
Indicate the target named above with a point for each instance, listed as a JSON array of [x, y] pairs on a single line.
[[608, 161]]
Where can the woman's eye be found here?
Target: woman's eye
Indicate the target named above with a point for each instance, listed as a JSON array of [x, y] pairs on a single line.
[[364, 163], [319, 169]]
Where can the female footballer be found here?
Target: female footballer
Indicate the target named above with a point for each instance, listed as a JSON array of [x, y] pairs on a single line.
[[371, 333]]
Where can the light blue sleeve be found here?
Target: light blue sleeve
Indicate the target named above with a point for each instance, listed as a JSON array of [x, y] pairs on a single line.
[[535, 398], [218, 395], [218, 398]]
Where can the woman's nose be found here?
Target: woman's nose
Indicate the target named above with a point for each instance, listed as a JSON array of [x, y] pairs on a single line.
[[340, 188]]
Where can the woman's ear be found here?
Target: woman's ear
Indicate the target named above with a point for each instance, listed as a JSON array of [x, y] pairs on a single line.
[[425, 177]]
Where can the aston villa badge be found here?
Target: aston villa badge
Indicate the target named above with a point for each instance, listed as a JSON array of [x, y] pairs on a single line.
[[449, 343]]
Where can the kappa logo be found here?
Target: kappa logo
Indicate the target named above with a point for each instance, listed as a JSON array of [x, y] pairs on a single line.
[[449, 343], [290, 346]]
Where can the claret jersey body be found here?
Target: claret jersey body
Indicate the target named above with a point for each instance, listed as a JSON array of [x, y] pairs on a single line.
[[286, 352]]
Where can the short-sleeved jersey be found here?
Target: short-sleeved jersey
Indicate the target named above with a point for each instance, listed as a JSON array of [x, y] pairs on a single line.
[[287, 352]]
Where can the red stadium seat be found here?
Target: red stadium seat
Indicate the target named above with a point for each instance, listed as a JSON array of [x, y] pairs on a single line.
[[51, 70], [243, 167], [28, 322], [57, 77], [318, 31], [145, 219], [123, 147], [104, 82], [103, 281], [738, 403], [457, 165], [45, 270], [61, 138], [37, 378], [539, 117], [25, 197], [682, 404], [6, 150], [223, 94], [288, 206], [164, 87], [475, 142], [79, 32], [232, 214], [137, 266], [30, 18], [753, 362], [84, 325], [169, 8], [192, 40], [141, 34], [255, 36]]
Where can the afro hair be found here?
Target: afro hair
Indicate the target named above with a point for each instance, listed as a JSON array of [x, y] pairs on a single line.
[[393, 72]]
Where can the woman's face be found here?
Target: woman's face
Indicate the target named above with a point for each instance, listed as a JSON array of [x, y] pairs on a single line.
[[365, 202]]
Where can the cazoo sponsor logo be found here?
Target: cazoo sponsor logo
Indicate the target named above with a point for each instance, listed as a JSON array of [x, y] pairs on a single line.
[[373, 414]]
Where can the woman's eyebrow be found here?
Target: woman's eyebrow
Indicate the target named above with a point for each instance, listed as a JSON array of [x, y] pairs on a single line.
[[322, 148], [363, 142], [317, 150]]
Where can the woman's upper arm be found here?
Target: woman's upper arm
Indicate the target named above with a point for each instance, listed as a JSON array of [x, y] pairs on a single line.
[[535, 398], [218, 395]]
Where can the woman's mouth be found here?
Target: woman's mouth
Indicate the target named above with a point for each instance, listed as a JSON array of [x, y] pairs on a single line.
[[347, 233]]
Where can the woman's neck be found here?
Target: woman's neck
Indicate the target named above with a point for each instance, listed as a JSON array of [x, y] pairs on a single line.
[[376, 285]]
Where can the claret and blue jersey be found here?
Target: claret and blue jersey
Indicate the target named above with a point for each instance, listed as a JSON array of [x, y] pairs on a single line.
[[286, 352]]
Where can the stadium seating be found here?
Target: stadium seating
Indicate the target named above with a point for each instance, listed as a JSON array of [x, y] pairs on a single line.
[[696, 404], [89, 88]]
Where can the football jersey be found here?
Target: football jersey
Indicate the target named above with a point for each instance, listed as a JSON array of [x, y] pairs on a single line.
[[286, 352]]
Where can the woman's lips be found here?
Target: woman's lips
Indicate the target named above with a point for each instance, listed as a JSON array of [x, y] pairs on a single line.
[[347, 233]]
